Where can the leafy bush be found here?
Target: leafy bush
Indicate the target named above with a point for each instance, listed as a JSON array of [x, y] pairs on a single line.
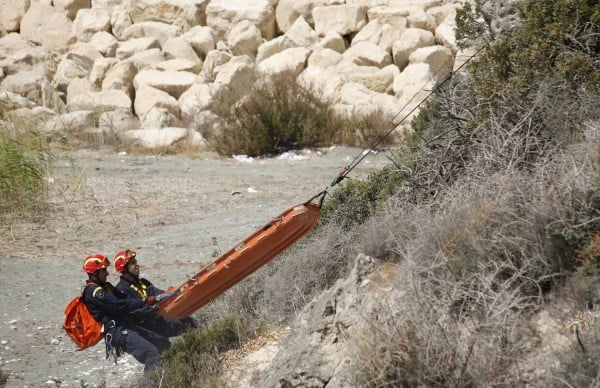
[[472, 25], [557, 38], [25, 161], [279, 115], [518, 88], [356, 200]]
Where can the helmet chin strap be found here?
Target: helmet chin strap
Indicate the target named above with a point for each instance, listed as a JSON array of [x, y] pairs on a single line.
[[96, 278], [128, 272]]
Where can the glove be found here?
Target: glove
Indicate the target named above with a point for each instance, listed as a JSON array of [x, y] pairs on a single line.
[[166, 295], [151, 301]]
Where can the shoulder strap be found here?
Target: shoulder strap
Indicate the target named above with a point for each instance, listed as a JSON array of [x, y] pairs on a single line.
[[86, 286]]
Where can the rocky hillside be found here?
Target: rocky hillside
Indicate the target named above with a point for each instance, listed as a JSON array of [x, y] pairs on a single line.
[[160, 71], [482, 267]]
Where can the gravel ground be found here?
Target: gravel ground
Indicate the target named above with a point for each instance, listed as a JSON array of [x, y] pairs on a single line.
[[175, 211]]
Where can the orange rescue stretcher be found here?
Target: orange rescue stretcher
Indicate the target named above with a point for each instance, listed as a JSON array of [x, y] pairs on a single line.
[[240, 261]]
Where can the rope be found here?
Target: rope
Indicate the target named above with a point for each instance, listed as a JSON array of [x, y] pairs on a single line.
[[360, 157]]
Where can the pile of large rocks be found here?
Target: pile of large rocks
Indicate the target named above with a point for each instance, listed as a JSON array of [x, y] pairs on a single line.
[[159, 71]]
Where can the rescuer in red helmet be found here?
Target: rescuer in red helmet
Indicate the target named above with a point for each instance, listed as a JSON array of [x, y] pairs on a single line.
[[131, 284], [115, 310]]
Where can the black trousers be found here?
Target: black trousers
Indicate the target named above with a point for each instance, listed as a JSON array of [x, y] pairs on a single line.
[[169, 327], [144, 345]]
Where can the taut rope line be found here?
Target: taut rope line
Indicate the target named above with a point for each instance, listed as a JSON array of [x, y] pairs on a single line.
[[359, 158]]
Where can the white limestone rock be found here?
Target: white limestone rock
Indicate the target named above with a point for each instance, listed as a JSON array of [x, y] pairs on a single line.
[[171, 82], [25, 83], [99, 70], [157, 137], [179, 48], [103, 101], [367, 54], [439, 58], [129, 47], [221, 15], [45, 25], [105, 43], [184, 13], [77, 121], [117, 121], [148, 97], [214, 60], [302, 34], [71, 7], [157, 30], [120, 77], [272, 47], [244, 38], [332, 40], [410, 40], [88, 22], [343, 19], [158, 117], [290, 61], [202, 39], [12, 13]]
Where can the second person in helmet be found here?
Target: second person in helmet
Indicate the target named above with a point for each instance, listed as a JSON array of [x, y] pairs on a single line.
[[133, 285]]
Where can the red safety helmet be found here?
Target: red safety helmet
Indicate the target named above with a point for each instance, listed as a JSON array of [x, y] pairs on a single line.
[[122, 258], [95, 262]]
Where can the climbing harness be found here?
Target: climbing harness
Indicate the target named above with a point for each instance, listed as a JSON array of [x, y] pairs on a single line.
[[112, 351]]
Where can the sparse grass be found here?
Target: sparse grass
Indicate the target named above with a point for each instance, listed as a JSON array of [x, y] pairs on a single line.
[[25, 161], [194, 358]]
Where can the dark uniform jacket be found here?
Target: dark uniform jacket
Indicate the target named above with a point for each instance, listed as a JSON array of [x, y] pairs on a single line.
[[143, 288], [107, 303], [137, 288], [119, 313]]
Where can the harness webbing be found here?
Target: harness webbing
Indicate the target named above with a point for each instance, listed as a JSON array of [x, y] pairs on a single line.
[[141, 291]]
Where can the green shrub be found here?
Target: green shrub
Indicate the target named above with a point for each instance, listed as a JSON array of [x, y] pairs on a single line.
[[558, 38], [280, 115], [195, 357], [472, 24], [538, 84], [356, 200], [25, 161]]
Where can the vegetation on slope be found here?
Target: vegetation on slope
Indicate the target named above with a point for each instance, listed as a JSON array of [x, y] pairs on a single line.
[[499, 213]]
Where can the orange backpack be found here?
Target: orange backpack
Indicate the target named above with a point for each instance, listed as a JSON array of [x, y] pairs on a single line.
[[80, 324]]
